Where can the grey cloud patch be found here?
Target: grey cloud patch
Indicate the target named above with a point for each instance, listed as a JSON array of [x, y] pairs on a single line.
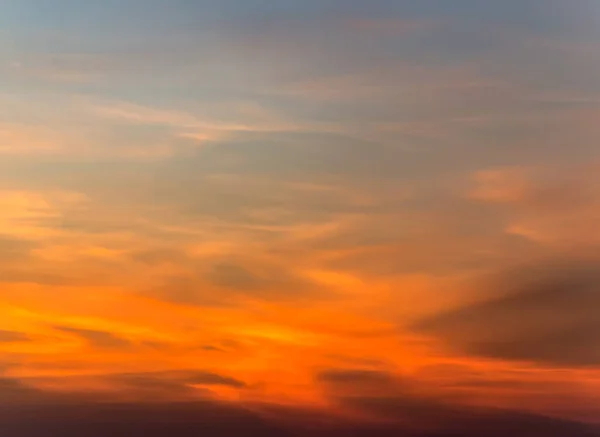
[[210, 348], [547, 313], [292, 156], [437, 233], [13, 248], [234, 276], [265, 279], [338, 376], [187, 290], [12, 336], [14, 252], [168, 380], [97, 338], [214, 379], [157, 256], [194, 189]]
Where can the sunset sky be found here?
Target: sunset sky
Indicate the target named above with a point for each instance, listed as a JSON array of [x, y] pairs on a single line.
[[300, 214]]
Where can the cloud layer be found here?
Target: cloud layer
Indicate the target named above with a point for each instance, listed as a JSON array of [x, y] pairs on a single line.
[[299, 218], [544, 313]]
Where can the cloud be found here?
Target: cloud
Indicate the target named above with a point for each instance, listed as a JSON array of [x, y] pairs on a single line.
[[13, 250], [13, 336], [71, 417], [217, 280], [338, 376], [32, 215], [19, 139], [287, 178], [504, 185], [384, 394], [13, 391], [208, 123], [481, 384], [96, 339], [402, 405], [549, 205], [181, 378], [499, 424], [268, 279], [433, 233], [546, 313], [162, 386], [120, 420], [157, 387], [229, 275]]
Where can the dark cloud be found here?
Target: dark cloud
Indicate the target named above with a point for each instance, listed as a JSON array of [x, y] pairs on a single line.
[[399, 405], [501, 424], [101, 339], [13, 391], [27, 412], [357, 377], [380, 395], [18, 393], [547, 313], [120, 420], [214, 419]]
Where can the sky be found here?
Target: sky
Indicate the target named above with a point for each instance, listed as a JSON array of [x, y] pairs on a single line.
[[290, 218]]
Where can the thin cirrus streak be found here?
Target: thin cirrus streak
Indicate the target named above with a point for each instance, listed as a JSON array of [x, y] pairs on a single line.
[[302, 218]]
